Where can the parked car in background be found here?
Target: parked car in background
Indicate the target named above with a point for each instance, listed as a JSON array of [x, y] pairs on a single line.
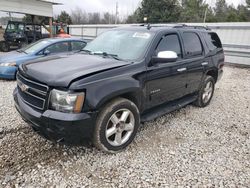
[[123, 77], [9, 62]]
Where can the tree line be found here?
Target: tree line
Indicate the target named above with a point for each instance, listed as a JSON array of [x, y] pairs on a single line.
[[189, 11], [79, 16]]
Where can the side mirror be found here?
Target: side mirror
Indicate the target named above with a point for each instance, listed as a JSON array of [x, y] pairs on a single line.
[[46, 52], [165, 57]]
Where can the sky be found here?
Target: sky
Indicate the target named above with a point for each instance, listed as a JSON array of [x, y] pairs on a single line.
[[125, 7]]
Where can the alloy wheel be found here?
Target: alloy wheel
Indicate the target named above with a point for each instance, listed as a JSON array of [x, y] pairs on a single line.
[[208, 91], [120, 127]]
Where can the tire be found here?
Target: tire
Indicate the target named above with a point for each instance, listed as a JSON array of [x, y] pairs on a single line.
[[21, 45], [116, 125], [4, 46], [206, 92]]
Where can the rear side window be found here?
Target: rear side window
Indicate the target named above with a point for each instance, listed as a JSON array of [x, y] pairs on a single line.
[[76, 45], [170, 43], [59, 47], [213, 41], [192, 44]]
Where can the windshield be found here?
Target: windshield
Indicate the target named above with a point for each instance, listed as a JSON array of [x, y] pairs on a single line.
[[15, 27], [35, 47], [127, 45]]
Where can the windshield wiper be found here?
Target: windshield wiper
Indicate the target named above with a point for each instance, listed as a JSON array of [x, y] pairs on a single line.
[[105, 54], [87, 51]]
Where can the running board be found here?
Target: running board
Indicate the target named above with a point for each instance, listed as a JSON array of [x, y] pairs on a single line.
[[167, 108]]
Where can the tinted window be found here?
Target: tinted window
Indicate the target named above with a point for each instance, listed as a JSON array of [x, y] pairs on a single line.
[[213, 41], [76, 46], [170, 43], [192, 44], [59, 47]]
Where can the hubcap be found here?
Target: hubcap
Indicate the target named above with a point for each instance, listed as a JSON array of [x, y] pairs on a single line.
[[120, 127], [207, 93]]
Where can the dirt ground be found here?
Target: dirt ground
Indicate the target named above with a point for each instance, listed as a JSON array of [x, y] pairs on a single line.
[[191, 147]]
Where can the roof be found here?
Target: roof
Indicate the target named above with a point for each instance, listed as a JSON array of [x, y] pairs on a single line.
[[58, 39], [154, 28], [32, 7], [51, 2]]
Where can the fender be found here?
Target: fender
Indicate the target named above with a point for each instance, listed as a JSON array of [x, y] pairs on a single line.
[[100, 93]]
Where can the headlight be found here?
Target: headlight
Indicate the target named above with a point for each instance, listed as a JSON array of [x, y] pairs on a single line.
[[66, 102], [8, 64], [19, 36]]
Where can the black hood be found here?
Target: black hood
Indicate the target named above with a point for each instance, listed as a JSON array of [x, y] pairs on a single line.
[[60, 71]]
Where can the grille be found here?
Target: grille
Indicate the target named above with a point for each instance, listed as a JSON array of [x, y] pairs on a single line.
[[34, 94]]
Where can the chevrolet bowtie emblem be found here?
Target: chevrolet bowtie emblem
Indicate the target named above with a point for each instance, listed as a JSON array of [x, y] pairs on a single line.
[[24, 87]]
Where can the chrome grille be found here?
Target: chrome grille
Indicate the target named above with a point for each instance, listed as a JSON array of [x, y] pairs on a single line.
[[34, 94]]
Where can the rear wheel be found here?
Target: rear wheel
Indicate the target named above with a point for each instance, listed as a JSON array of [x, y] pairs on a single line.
[[206, 92], [116, 125]]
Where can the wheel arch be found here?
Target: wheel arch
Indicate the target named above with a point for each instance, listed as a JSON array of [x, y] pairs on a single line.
[[213, 73], [133, 95]]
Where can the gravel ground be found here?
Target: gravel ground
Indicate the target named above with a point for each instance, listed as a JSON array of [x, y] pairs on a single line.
[[196, 147]]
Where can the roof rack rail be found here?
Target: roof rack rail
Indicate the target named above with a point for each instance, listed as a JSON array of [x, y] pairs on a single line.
[[173, 25], [192, 26]]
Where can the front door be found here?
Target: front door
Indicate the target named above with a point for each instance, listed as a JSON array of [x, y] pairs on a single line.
[[166, 81]]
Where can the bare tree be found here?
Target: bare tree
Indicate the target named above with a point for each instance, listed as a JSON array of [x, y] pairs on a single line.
[[79, 16], [94, 18], [108, 18]]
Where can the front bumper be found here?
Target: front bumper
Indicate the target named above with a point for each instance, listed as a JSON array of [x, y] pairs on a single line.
[[57, 126], [8, 72]]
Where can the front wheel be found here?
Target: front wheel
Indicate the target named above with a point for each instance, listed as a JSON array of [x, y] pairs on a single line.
[[206, 92], [116, 125], [4, 46]]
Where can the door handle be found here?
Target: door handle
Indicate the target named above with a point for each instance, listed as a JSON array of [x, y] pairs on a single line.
[[181, 69], [204, 63]]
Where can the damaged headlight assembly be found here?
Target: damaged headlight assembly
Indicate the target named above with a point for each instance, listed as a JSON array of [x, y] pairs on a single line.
[[67, 102]]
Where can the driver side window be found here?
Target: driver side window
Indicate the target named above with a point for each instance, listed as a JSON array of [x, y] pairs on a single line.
[[60, 47], [170, 43]]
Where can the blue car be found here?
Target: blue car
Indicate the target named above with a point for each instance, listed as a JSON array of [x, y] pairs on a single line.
[[9, 62]]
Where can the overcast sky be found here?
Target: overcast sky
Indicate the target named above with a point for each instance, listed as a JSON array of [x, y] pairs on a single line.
[[126, 7]]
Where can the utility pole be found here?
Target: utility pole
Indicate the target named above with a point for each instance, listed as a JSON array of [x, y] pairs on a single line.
[[116, 13], [10, 16], [205, 16]]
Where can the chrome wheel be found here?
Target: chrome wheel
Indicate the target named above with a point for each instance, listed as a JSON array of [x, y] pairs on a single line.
[[208, 91], [120, 127]]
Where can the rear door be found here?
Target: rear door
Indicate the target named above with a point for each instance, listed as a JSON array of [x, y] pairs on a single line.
[[194, 55]]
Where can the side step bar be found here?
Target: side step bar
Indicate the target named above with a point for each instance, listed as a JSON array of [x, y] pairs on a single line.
[[167, 108]]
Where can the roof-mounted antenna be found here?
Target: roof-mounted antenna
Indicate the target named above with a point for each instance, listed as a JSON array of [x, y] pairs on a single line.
[[145, 19]]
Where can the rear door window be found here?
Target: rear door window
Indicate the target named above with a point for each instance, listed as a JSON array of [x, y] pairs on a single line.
[[59, 47], [77, 45], [192, 44]]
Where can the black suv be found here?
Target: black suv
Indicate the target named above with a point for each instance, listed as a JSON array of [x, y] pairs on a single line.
[[124, 77]]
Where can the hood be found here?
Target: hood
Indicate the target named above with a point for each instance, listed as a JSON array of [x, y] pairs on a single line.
[[60, 71], [12, 57]]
